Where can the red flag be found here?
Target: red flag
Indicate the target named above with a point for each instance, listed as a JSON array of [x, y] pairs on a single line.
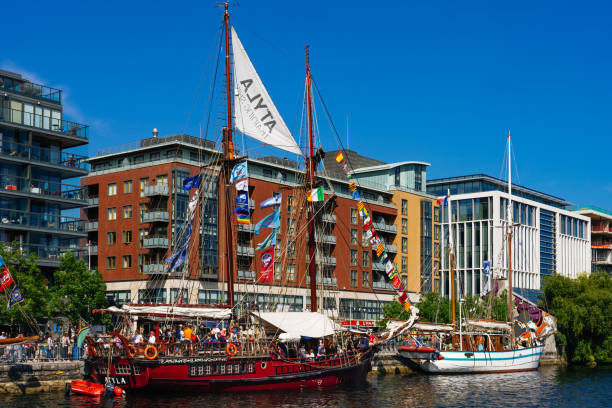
[[267, 265], [5, 278]]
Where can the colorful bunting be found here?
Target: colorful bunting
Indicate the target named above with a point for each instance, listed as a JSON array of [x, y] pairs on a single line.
[[14, 298], [339, 157], [268, 242], [239, 172], [242, 185], [315, 194], [243, 219], [242, 198], [5, 277], [192, 182], [272, 201], [272, 220]]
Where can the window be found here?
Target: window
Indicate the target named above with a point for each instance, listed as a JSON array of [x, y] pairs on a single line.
[[291, 272], [142, 233], [290, 226], [354, 237], [111, 213], [127, 211], [437, 232], [179, 295], [437, 213], [354, 258], [405, 245], [397, 176], [144, 182], [161, 180], [404, 225], [127, 186], [126, 261], [436, 250], [404, 207], [291, 204], [139, 159], [354, 218], [267, 173], [194, 156], [174, 153], [127, 237], [111, 238], [155, 156], [353, 279], [112, 189], [142, 209], [404, 264], [110, 262], [365, 279], [365, 259], [278, 273], [142, 261], [291, 250]]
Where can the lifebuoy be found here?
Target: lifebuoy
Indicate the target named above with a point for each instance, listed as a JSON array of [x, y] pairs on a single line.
[[263, 365], [231, 349], [131, 350], [150, 352]]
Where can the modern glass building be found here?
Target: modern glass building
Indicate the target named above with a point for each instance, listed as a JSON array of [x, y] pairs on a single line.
[[547, 238], [601, 236], [37, 151]]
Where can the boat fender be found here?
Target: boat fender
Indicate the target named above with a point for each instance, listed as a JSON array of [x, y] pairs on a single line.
[[263, 365], [150, 352], [231, 349], [131, 350], [67, 388]]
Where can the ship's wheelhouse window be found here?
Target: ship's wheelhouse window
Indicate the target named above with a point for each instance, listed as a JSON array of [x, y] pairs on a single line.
[[208, 369]]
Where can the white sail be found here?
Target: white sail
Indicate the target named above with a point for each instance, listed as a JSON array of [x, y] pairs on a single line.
[[256, 115]]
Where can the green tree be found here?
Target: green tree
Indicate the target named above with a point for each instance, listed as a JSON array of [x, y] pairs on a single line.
[[434, 308], [32, 285], [77, 290], [583, 309]]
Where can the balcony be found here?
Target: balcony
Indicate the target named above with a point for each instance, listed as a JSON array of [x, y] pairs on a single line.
[[44, 222], [157, 190], [156, 216], [325, 239], [324, 260], [92, 225], [382, 227], [44, 123], [326, 281], [392, 249], [378, 266], [601, 244], [329, 218], [382, 285], [93, 249], [245, 251], [246, 228], [68, 162], [92, 201], [154, 269], [246, 275], [211, 276], [31, 90], [49, 190], [150, 242], [50, 256]]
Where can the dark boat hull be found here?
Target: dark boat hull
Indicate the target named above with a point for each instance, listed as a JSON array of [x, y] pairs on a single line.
[[222, 374]]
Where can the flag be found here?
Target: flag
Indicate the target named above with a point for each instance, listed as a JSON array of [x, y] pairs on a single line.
[[239, 172], [177, 259], [192, 182], [242, 185], [192, 204], [339, 157], [403, 297], [276, 200], [443, 200], [356, 195], [352, 186], [267, 265], [241, 209], [14, 298], [272, 220], [82, 331], [242, 198], [243, 219], [379, 249], [5, 277], [269, 241], [315, 194], [2, 262]]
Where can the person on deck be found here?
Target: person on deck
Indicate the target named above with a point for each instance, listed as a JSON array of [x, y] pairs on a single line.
[[187, 334], [152, 339]]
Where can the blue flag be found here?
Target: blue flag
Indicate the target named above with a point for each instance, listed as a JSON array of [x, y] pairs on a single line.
[[272, 220], [1, 262], [269, 241], [177, 259], [239, 172], [191, 182], [242, 198], [241, 209], [15, 298], [276, 200]]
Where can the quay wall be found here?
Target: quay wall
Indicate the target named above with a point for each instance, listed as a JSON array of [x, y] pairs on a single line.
[[35, 377]]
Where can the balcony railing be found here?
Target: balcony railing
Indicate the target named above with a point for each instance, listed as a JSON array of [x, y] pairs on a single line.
[[155, 242], [154, 269], [155, 216], [45, 188], [245, 251], [157, 190], [325, 260], [51, 253], [246, 275], [51, 222], [378, 266], [389, 248], [93, 249], [92, 201], [382, 227], [43, 155], [32, 90], [326, 281], [384, 285], [246, 228], [328, 218], [325, 239], [92, 225], [35, 121], [212, 276]]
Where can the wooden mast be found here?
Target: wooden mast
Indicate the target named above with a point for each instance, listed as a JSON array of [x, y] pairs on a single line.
[[312, 267], [451, 259], [510, 226], [226, 168]]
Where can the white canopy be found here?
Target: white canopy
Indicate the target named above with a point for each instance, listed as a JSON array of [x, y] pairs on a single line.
[[300, 324], [487, 324], [173, 312], [433, 327]]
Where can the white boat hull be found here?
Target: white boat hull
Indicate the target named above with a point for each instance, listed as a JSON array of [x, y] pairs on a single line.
[[467, 362]]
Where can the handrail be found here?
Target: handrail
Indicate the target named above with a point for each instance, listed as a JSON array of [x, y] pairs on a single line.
[[54, 222], [43, 187], [37, 121], [43, 154], [31, 89]]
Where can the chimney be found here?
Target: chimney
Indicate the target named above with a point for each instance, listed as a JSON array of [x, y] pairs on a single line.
[[155, 132]]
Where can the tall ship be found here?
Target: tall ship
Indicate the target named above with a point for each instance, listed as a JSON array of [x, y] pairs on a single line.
[[474, 345], [243, 348]]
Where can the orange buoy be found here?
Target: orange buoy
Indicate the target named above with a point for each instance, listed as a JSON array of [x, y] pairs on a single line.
[[231, 349], [150, 352]]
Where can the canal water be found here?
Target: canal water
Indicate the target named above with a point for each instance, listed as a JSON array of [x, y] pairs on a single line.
[[547, 387]]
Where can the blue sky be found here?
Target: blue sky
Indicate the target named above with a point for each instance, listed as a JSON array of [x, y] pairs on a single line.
[[440, 82]]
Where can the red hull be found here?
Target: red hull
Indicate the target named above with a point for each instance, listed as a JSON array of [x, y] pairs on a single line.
[[222, 374]]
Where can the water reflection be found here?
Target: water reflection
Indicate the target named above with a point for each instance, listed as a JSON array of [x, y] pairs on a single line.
[[549, 386]]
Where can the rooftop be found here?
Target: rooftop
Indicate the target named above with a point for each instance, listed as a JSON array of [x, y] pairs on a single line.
[[152, 142], [388, 166], [592, 211], [354, 160], [15, 83]]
